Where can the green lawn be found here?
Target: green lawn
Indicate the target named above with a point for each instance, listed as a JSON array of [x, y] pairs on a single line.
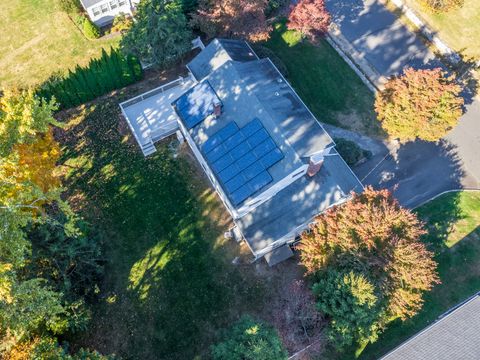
[[330, 88], [37, 39], [459, 28], [454, 224], [169, 282]]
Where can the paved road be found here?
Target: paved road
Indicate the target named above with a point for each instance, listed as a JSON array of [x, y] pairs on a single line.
[[418, 170], [379, 36]]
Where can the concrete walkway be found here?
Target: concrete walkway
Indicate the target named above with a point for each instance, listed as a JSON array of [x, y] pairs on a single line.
[[379, 43]]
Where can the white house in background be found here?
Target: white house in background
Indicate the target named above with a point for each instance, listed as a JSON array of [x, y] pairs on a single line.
[[102, 12]]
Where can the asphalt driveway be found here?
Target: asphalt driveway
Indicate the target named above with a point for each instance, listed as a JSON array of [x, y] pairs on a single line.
[[379, 37], [418, 170]]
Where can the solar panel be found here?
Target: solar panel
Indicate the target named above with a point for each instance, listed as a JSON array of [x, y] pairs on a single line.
[[241, 157], [196, 104], [271, 158], [220, 136]]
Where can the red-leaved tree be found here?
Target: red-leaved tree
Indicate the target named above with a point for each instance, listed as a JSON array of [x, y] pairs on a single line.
[[244, 19], [311, 18]]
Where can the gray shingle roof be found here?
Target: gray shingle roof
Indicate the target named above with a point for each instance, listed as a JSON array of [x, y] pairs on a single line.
[[90, 3], [456, 336]]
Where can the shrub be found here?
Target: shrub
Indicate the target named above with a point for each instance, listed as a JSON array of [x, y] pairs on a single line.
[[111, 71], [121, 23], [349, 299], [90, 30], [350, 151], [250, 340]]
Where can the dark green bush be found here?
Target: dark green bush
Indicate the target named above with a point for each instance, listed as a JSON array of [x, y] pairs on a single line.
[[90, 30], [109, 72], [350, 151]]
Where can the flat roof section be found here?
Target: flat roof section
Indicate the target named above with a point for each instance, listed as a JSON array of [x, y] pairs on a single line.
[[151, 115], [298, 203]]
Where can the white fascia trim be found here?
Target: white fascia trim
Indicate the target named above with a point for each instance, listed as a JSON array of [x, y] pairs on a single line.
[[272, 191], [216, 185]]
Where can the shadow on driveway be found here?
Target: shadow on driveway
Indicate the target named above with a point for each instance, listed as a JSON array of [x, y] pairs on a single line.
[[416, 171]]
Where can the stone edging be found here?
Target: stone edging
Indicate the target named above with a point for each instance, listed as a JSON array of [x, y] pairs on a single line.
[[370, 77]]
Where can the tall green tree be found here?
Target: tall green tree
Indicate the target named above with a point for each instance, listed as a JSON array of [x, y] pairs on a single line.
[[22, 116], [249, 339], [350, 300], [160, 34]]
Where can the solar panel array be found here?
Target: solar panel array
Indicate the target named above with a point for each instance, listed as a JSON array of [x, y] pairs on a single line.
[[240, 158], [196, 104]]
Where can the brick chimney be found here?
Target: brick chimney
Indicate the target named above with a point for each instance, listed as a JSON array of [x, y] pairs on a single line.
[[217, 108], [315, 164]]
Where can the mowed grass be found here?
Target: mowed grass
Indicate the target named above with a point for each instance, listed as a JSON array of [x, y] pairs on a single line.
[[459, 28], [325, 82], [454, 224], [37, 40], [169, 283]]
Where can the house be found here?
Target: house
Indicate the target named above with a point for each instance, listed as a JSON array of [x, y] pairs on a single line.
[[455, 335], [269, 159], [102, 12]]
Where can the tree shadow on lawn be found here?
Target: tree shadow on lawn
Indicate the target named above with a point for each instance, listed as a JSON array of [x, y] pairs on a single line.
[[168, 286]]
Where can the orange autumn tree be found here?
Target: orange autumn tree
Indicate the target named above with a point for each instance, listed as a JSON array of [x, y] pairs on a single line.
[[244, 19], [374, 237], [423, 104], [37, 162]]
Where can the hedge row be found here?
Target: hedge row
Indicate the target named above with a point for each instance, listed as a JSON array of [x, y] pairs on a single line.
[[109, 72]]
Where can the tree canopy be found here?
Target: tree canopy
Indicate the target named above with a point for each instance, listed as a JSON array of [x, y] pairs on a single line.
[[244, 19], [41, 294], [22, 116], [311, 18], [249, 339], [160, 34], [369, 239], [422, 104], [351, 301]]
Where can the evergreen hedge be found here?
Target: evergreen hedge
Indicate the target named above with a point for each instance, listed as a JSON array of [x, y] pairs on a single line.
[[109, 72], [90, 30]]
